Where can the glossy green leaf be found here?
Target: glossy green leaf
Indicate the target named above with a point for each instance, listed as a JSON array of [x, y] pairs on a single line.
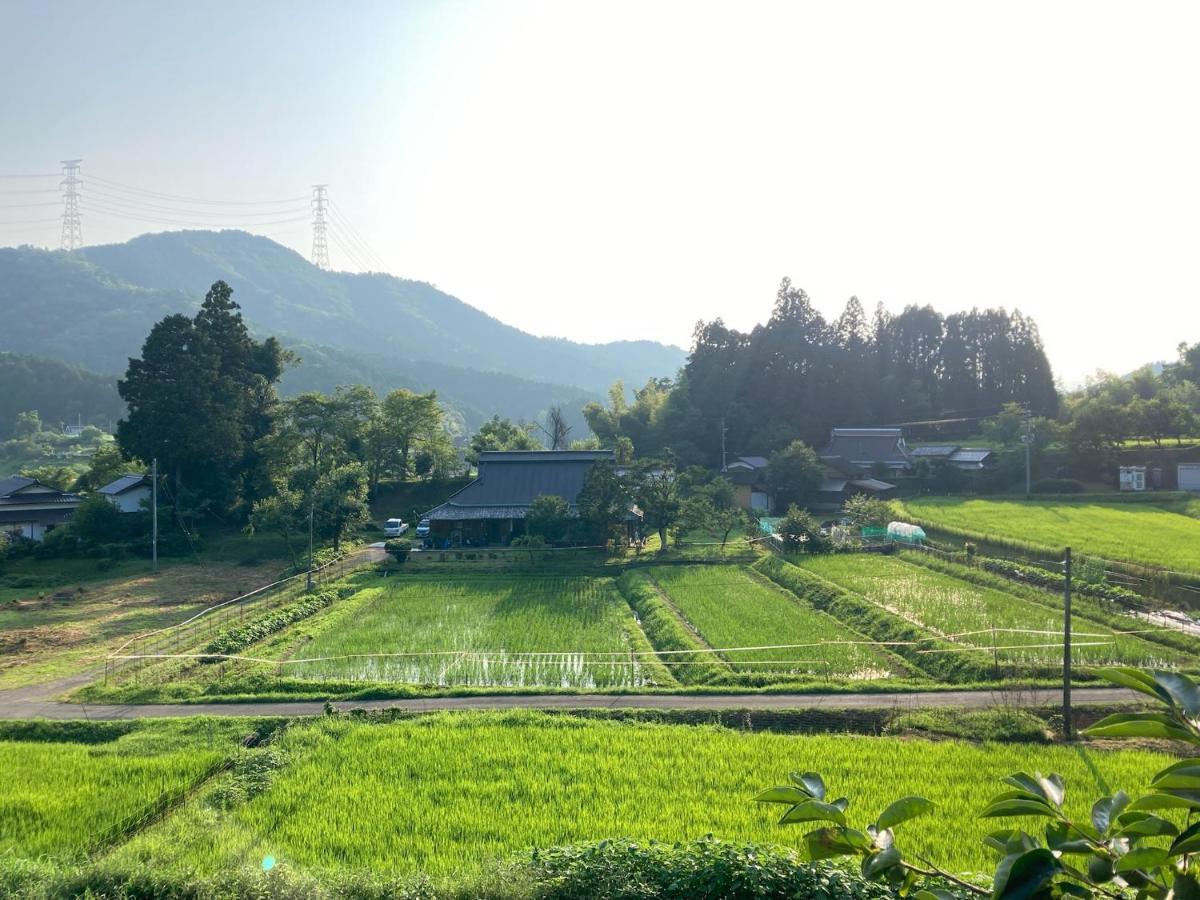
[[1018, 808], [880, 862], [782, 794], [1183, 692], [1020, 877], [813, 811], [1141, 858], [1150, 826], [1175, 800], [902, 810], [1147, 724], [1188, 842], [1134, 679], [811, 782], [827, 843]]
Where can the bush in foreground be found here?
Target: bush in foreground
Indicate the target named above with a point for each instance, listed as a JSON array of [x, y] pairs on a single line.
[[707, 869]]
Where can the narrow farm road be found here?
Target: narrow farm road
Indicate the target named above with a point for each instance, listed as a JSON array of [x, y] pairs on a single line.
[[20, 705]]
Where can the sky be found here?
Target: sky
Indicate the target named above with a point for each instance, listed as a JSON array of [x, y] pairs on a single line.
[[620, 170]]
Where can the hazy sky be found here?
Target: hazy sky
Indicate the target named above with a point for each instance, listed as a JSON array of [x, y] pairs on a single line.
[[619, 170]]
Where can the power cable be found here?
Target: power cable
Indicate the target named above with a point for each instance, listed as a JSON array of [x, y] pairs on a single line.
[[105, 210], [119, 200], [163, 196], [345, 222]]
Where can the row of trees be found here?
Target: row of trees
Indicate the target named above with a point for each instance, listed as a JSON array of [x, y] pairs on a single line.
[[673, 504], [799, 375], [202, 400]]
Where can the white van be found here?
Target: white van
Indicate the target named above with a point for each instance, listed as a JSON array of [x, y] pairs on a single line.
[[394, 528]]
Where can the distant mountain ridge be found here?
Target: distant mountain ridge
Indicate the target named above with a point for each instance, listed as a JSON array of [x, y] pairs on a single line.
[[93, 309], [281, 292]]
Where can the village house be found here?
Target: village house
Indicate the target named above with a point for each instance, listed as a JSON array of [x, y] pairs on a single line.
[[31, 509], [492, 508]]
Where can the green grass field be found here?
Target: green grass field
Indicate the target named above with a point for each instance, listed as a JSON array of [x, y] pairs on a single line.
[[60, 797], [449, 792], [729, 608], [494, 630], [1133, 532], [1025, 632]]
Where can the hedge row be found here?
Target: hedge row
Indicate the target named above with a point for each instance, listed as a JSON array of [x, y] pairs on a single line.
[[880, 625], [667, 633], [621, 869], [251, 633]]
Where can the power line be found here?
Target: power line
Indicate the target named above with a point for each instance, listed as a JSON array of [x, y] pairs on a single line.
[[29, 205], [354, 232], [119, 200], [35, 175], [163, 196], [161, 220]]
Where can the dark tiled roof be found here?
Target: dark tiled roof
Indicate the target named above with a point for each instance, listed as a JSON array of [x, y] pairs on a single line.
[[508, 482], [11, 487], [867, 446], [14, 483], [124, 483], [754, 462]]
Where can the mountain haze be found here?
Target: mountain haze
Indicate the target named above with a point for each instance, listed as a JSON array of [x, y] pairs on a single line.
[[93, 309]]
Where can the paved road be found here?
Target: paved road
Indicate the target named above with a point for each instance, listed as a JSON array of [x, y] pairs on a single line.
[[31, 704]]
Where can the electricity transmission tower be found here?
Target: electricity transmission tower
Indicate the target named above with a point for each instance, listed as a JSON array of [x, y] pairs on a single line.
[[320, 249], [72, 225]]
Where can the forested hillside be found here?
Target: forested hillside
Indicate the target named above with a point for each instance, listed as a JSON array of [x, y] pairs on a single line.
[[60, 393], [371, 329], [283, 294]]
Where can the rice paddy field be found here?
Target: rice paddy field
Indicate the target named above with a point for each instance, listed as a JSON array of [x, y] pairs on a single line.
[[444, 793], [730, 609], [1135, 532], [486, 630], [1016, 630], [60, 797]]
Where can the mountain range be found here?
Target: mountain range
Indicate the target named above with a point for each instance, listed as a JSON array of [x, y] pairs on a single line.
[[93, 308]]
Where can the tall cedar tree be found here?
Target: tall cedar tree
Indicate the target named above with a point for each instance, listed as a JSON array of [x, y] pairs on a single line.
[[200, 396]]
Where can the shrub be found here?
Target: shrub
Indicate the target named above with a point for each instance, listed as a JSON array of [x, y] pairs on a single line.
[[398, 548], [1002, 723]]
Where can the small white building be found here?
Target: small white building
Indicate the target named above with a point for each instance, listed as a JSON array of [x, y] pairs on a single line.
[[129, 493]]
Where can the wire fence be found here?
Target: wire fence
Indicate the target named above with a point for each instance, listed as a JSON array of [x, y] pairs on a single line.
[[135, 655]]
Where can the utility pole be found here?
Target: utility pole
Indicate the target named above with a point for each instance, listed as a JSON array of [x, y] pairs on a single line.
[[308, 580], [320, 249], [723, 466], [72, 223], [154, 511], [1028, 448], [1068, 728]]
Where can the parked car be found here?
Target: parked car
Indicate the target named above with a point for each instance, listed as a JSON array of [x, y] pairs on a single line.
[[395, 528], [423, 528]]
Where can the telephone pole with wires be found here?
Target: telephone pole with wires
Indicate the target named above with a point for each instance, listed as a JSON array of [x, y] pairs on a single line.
[[320, 248], [1028, 440], [72, 224]]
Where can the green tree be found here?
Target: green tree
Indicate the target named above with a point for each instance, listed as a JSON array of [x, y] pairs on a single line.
[[656, 492], [549, 518], [501, 434], [794, 473], [200, 397], [107, 465], [284, 512], [603, 502], [801, 533], [340, 501], [865, 511], [28, 424]]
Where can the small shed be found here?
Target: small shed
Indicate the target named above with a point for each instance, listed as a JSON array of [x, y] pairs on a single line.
[[129, 493]]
